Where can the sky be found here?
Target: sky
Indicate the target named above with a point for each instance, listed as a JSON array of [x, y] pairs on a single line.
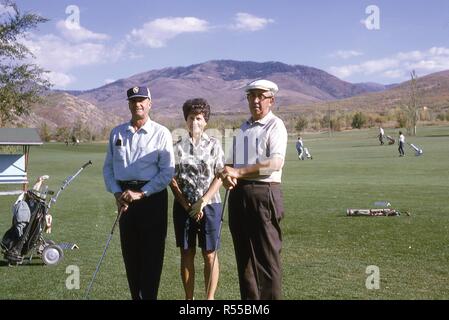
[[89, 43]]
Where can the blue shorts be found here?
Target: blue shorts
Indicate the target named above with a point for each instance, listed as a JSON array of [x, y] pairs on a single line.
[[206, 230]]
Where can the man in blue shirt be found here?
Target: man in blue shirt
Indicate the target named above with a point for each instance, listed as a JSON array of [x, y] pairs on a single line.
[[138, 167]]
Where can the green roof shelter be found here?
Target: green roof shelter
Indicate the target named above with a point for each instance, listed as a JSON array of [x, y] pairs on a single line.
[[13, 163]]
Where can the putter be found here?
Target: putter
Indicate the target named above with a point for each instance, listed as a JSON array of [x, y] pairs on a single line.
[[89, 288], [216, 243]]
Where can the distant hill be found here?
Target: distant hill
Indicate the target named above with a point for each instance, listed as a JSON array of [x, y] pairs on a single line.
[[302, 90], [221, 83], [433, 93], [60, 109]]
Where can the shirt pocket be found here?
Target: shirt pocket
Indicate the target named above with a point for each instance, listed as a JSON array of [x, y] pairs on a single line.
[[119, 154]]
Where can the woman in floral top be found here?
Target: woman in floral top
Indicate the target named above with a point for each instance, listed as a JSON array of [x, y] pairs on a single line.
[[197, 205]]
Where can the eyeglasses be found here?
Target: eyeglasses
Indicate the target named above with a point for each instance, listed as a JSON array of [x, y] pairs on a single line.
[[260, 96]]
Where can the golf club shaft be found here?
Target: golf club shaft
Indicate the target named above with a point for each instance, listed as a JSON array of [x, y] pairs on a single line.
[[89, 288], [216, 243]]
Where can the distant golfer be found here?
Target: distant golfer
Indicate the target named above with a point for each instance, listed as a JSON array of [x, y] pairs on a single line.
[[300, 148], [255, 200], [197, 205], [381, 135], [303, 152], [401, 143], [138, 167]]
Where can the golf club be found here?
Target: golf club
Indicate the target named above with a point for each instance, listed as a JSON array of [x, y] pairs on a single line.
[[216, 243], [234, 146], [89, 288]]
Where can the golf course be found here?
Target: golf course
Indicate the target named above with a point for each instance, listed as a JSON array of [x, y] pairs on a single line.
[[326, 254]]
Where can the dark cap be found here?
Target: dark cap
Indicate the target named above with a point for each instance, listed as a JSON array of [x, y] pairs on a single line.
[[138, 92]]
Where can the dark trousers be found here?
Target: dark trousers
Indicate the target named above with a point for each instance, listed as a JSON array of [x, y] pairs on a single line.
[[143, 229], [255, 211], [401, 149]]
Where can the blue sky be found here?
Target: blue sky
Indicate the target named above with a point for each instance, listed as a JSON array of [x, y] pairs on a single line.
[[350, 39]]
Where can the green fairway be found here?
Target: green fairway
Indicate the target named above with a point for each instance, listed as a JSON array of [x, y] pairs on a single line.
[[325, 253]]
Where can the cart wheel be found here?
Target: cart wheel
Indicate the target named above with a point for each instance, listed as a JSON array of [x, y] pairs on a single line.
[[45, 243], [52, 254]]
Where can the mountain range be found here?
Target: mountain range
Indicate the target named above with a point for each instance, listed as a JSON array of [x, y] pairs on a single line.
[[221, 82]]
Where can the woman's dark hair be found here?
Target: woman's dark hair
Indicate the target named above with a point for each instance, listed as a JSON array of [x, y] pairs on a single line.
[[197, 106]]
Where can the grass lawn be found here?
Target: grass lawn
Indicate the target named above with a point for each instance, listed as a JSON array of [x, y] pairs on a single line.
[[325, 254]]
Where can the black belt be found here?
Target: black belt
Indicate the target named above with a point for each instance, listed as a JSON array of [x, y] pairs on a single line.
[[134, 185], [253, 182]]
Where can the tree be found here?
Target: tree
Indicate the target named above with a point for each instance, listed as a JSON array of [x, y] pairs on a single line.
[[44, 132], [21, 82], [301, 124], [358, 121], [411, 109]]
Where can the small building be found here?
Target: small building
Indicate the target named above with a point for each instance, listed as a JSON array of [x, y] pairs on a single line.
[[15, 146]]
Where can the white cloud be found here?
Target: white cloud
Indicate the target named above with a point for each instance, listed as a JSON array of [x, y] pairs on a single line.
[[156, 33], [109, 80], [399, 65], [56, 54], [76, 33], [59, 56], [59, 79], [6, 10], [248, 22], [346, 54]]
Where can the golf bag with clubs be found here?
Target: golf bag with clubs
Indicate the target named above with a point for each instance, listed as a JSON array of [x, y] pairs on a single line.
[[31, 218], [418, 151], [305, 154], [391, 140]]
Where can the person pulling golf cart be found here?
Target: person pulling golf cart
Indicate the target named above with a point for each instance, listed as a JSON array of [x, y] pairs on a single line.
[[31, 218], [303, 152]]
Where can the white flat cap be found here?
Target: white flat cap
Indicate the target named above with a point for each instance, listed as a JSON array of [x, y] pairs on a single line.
[[262, 85]]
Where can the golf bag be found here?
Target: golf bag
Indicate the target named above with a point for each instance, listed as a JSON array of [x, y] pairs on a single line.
[[305, 154], [31, 218], [25, 234], [308, 155], [373, 212], [418, 151], [391, 140]]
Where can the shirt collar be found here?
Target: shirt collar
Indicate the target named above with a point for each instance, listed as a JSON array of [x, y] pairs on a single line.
[[262, 121], [204, 137], [146, 127]]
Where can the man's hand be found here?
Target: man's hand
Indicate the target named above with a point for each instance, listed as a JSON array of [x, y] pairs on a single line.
[[129, 196], [121, 204], [229, 177], [123, 199]]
